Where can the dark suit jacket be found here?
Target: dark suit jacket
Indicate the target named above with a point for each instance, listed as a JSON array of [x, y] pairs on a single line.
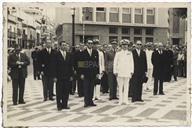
[[90, 66], [12, 59], [77, 58], [158, 61], [64, 68], [48, 62], [140, 63]]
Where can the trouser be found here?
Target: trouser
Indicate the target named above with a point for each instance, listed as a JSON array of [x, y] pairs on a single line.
[[18, 84], [123, 89], [150, 79], [36, 73], [62, 92], [175, 72], [104, 83], [97, 91], [112, 81], [181, 68], [137, 88], [80, 87], [185, 69], [47, 86], [158, 85], [88, 84], [73, 86]]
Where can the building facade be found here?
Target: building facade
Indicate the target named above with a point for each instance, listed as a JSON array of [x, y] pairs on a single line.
[[113, 23], [177, 27], [26, 26]]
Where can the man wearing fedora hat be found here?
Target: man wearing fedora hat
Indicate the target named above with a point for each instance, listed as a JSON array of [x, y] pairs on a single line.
[[123, 58], [140, 70], [18, 62]]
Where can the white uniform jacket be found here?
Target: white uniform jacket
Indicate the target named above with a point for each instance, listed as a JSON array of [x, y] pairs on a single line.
[[123, 63]]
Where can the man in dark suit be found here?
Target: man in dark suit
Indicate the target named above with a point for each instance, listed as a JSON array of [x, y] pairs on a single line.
[[64, 72], [112, 81], [158, 61], [140, 70], [34, 56], [18, 63], [78, 70], [89, 73], [48, 70], [169, 63]]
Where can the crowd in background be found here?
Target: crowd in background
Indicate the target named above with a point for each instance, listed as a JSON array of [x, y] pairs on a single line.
[[63, 68]]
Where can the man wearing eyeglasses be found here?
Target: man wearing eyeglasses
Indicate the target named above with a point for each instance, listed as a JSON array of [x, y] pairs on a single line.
[[140, 70], [90, 70]]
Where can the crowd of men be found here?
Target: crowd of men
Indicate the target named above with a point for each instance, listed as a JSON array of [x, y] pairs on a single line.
[[93, 68]]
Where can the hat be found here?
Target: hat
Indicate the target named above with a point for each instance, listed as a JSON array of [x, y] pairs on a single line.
[[160, 44], [96, 41], [114, 42], [124, 42], [89, 41]]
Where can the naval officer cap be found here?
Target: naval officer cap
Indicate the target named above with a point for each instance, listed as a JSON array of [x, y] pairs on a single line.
[[89, 42]]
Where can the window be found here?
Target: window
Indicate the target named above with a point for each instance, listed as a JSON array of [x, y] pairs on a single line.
[[138, 31], [125, 30], [100, 9], [149, 39], [113, 30], [100, 14], [176, 22], [137, 38], [150, 11], [125, 37], [87, 14], [112, 38], [114, 15], [126, 15], [149, 31], [138, 15], [150, 16]]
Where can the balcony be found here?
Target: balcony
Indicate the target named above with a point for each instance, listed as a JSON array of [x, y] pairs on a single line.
[[12, 35]]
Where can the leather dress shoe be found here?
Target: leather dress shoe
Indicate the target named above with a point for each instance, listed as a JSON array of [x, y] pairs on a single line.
[[59, 109], [22, 102], [52, 99], [86, 105], [141, 100], [66, 107], [93, 105], [162, 93], [14, 103]]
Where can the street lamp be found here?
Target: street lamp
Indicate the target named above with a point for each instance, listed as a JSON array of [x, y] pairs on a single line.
[[73, 28]]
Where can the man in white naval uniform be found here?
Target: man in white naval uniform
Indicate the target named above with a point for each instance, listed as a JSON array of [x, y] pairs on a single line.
[[97, 87], [123, 68]]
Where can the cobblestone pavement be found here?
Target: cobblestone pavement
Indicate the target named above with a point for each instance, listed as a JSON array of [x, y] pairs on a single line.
[[169, 109]]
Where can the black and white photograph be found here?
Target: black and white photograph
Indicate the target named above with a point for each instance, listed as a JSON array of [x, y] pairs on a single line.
[[96, 64]]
